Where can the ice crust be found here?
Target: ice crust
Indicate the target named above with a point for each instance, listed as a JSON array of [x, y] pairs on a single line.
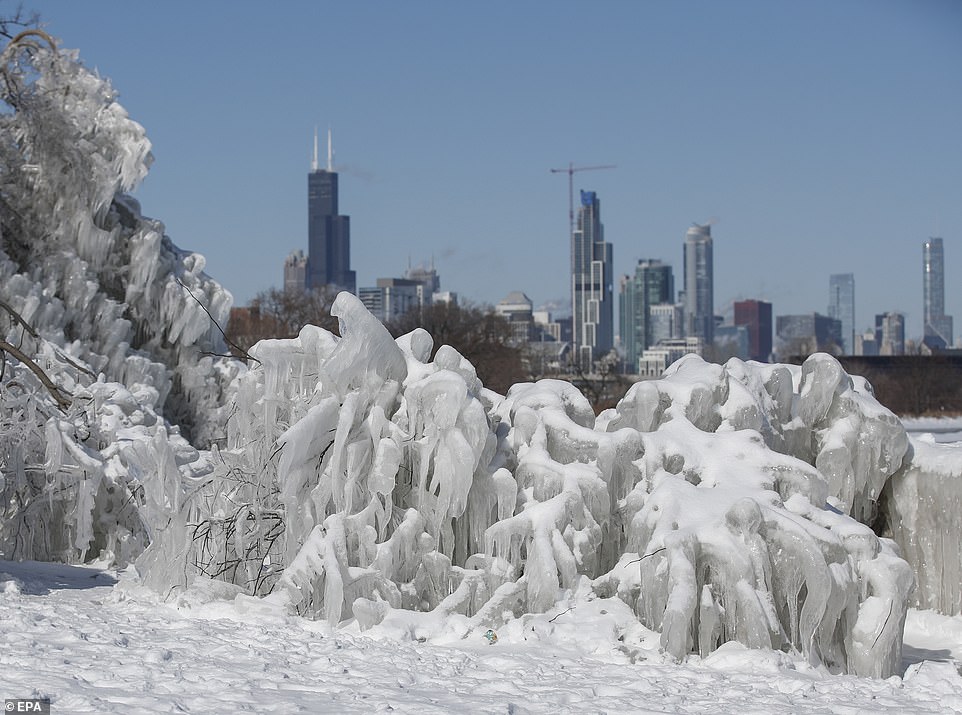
[[346, 477]]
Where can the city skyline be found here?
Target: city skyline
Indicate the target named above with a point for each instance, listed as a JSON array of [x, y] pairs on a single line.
[[810, 131]]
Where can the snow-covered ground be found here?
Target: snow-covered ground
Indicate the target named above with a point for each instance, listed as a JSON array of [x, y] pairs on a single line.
[[942, 429], [95, 642]]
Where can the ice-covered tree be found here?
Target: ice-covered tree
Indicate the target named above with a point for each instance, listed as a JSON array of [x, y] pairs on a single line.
[[111, 312]]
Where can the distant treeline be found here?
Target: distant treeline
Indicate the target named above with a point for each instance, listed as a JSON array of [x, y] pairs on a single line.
[[912, 385]]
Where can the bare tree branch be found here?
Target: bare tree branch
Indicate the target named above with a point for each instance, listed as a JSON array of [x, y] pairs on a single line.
[[62, 398], [19, 319], [33, 333], [246, 355], [19, 19]]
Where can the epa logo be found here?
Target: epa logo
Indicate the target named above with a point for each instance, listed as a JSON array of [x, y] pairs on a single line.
[[39, 706]]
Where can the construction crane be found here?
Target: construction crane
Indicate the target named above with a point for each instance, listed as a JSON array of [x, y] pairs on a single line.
[[570, 171]]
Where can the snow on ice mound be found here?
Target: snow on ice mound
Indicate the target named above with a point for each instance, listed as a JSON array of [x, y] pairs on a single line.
[[360, 477]]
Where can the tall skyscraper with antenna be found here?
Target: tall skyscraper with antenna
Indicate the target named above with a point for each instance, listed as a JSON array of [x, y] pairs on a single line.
[[328, 232]]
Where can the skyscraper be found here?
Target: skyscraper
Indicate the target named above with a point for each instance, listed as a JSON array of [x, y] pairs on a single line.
[[699, 284], [665, 321], [295, 271], [890, 333], [653, 284], [756, 315], [841, 306], [802, 335], [328, 233], [938, 325], [393, 297], [592, 305]]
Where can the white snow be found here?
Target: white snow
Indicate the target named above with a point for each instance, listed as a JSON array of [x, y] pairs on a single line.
[[67, 634], [942, 429]]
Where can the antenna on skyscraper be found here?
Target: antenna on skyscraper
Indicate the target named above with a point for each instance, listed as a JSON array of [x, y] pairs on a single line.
[[314, 166], [330, 149]]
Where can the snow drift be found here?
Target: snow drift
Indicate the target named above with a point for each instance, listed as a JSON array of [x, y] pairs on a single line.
[[346, 477]]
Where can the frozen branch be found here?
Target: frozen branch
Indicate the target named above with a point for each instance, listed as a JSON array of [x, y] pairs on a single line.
[[238, 348], [61, 397]]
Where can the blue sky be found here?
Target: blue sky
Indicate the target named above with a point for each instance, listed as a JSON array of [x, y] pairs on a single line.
[[823, 136]]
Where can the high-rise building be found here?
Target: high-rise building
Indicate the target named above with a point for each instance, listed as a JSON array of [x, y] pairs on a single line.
[[699, 284], [518, 310], [731, 341], [328, 233], [866, 343], [295, 271], [801, 335], [592, 303], [841, 306], [655, 359], [427, 276], [666, 322], [628, 322], [653, 284], [938, 325], [756, 316], [890, 333], [393, 297]]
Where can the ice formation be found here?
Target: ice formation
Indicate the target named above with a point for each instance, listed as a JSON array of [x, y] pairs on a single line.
[[343, 477], [359, 477], [99, 302], [924, 515]]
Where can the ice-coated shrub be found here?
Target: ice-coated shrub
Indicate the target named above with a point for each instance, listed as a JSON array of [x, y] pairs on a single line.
[[359, 477]]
